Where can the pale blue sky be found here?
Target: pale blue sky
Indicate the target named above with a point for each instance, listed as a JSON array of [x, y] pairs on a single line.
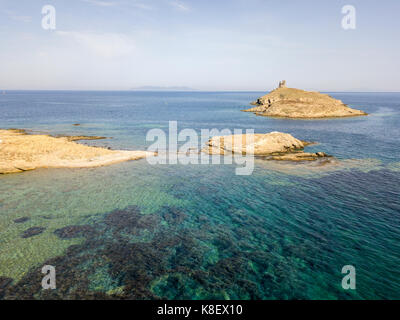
[[206, 45]]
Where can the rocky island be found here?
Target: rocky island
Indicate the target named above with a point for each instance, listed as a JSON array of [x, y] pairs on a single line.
[[22, 152], [286, 102], [271, 146]]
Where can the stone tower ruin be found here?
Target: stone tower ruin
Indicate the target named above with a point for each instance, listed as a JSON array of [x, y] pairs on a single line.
[[282, 84]]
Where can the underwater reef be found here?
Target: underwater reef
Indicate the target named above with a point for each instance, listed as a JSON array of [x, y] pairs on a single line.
[[131, 255]]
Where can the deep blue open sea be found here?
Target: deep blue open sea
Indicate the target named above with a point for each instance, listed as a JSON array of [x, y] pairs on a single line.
[[140, 231]]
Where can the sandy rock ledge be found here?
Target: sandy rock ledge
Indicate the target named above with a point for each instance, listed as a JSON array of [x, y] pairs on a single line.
[[23, 152]]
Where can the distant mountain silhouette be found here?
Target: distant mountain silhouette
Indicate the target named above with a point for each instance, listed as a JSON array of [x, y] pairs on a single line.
[[155, 88]]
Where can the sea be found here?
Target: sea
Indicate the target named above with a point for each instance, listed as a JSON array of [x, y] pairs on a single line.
[[136, 230]]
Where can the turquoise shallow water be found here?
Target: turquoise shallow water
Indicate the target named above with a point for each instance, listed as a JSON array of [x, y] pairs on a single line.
[[140, 231]]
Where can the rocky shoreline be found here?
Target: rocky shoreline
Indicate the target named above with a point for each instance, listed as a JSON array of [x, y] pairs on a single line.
[[20, 152]]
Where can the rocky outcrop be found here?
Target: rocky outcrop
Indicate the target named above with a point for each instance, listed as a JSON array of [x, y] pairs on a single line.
[[286, 102], [272, 146], [299, 156], [22, 152]]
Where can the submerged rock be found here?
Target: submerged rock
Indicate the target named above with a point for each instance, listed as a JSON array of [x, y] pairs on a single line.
[[295, 103], [300, 156], [78, 138], [32, 232], [21, 220]]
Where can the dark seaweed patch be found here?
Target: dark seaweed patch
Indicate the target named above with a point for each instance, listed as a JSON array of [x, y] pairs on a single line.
[[107, 245], [173, 215], [130, 255], [21, 220], [130, 221], [70, 232], [4, 283], [32, 232]]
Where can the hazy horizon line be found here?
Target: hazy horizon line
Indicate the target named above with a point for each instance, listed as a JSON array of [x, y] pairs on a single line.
[[191, 90]]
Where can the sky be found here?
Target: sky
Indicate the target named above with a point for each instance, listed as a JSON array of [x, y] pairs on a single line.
[[202, 44]]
